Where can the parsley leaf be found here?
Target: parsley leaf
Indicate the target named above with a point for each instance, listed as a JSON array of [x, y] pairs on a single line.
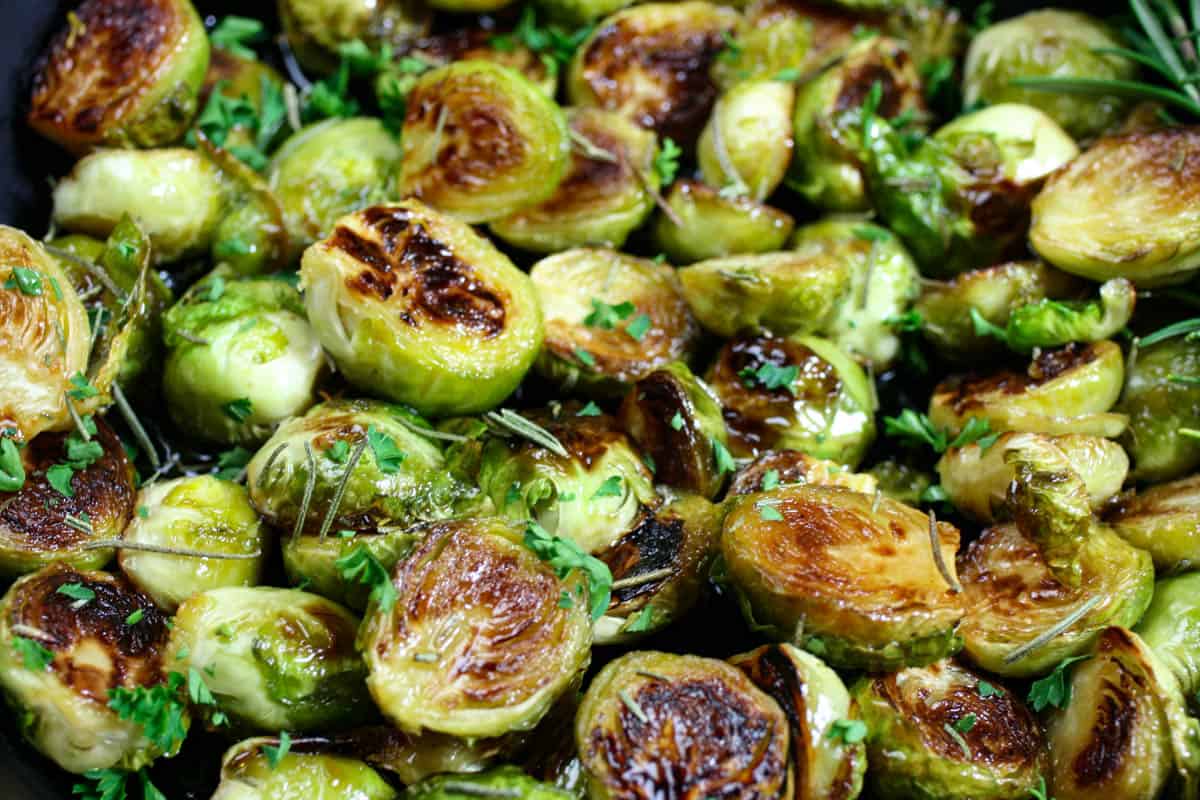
[[83, 388], [772, 376], [59, 477], [1053, 690], [770, 480], [34, 655], [564, 556], [233, 33], [585, 358], [158, 709], [361, 566], [677, 421], [238, 410], [986, 690], [27, 281], [275, 754], [338, 451], [590, 410], [768, 512], [732, 50], [109, 784], [965, 723], [641, 621], [612, 487], [330, 97], [135, 616], [914, 428], [77, 592], [666, 163], [388, 456], [638, 327], [231, 462], [850, 731], [607, 316], [723, 458]]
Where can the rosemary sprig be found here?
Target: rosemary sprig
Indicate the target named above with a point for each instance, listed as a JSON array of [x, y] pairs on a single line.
[[513, 423]]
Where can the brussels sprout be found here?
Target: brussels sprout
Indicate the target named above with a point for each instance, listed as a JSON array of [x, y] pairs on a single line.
[[977, 476], [60, 657], [242, 358], [317, 29], [503, 148], [475, 44], [44, 338], [1018, 143], [900, 481], [1049, 42], [1125, 731], [785, 467], [41, 524], [276, 659], [826, 763], [706, 224], [498, 782], [747, 144], [1011, 598], [651, 63], [252, 236], [826, 169], [655, 725], [328, 170], [418, 308], [1161, 399], [1164, 521], [800, 393], [932, 733], [477, 642], [934, 33], [792, 552], [242, 84], [1124, 208], [1069, 390], [414, 757], [602, 199], [883, 281], [1051, 323], [316, 562], [675, 419], [784, 41], [1171, 629], [611, 319], [124, 73], [249, 773]]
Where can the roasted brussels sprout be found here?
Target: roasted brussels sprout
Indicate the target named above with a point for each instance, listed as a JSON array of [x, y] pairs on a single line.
[[800, 393], [275, 659], [1049, 42], [825, 762], [317, 29], [704, 223], [124, 73], [481, 142], [1171, 629], [655, 723], [784, 39], [747, 144], [675, 419], [1125, 208], [932, 733], [1052, 323], [252, 237], [602, 198], [651, 63], [611, 319], [849, 577], [248, 773], [498, 782], [1160, 399], [476, 642], [241, 358], [900, 480], [1069, 390], [63, 652], [1164, 521], [1012, 597], [783, 467], [474, 44], [418, 308], [317, 563]]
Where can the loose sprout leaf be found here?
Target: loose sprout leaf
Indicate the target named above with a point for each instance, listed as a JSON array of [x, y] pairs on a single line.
[[238, 410], [360, 566], [612, 486], [666, 163], [77, 592], [12, 471], [1054, 689], [275, 753], [564, 556], [34, 655], [983, 327], [607, 316], [233, 33], [216, 288], [158, 709], [850, 731], [388, 456], [590, 410]]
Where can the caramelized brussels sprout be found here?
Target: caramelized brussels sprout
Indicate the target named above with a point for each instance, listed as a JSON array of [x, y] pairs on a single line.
[[602, 199], [1171, 629], [610, 319], [825, 763], [900, 481], [651, 64], [747, 144], [248, 773], [1160, 399], [800, 393], [1069, 390], [241, 358], [784, 39], [479, 43], [317, 29], [675, 419], [706, 224], [851, 578], [481, 142], [416, 307], [1125, 208], [477, 642], [498, 782], [784, 467], [60, 658], [1054, 43], [932, 733], [1164, 521], [316, 562], [275, 659], [124, 73], [653, 724]]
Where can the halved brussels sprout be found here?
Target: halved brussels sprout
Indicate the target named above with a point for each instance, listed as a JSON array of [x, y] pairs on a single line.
[[900, 481], [316, 29], [977, 477], [241, 358], [849, 577], [1160, 399], [316, 563], [1128, 207], [611, 319], [481, 43], [1017, 142], [1011, 597], [651, 63], [1164, 521], [44, 337], [826, 168], [1125, 731], [932, 733], [498, 782], [656, 724], [784, 467], [477, 642], [124, 73], [199, 513], [784, 40], [39, 524], [330, 169], [707, 224], [1049, 42], [60, 657], [675, 419], [481, 142], [1069, 390], [1171, 629], [601, 199], [248, 773], [747, 144], [800, 393], [416, 307], [275, 659], [825, 764], [412, 758], [934, 32]]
